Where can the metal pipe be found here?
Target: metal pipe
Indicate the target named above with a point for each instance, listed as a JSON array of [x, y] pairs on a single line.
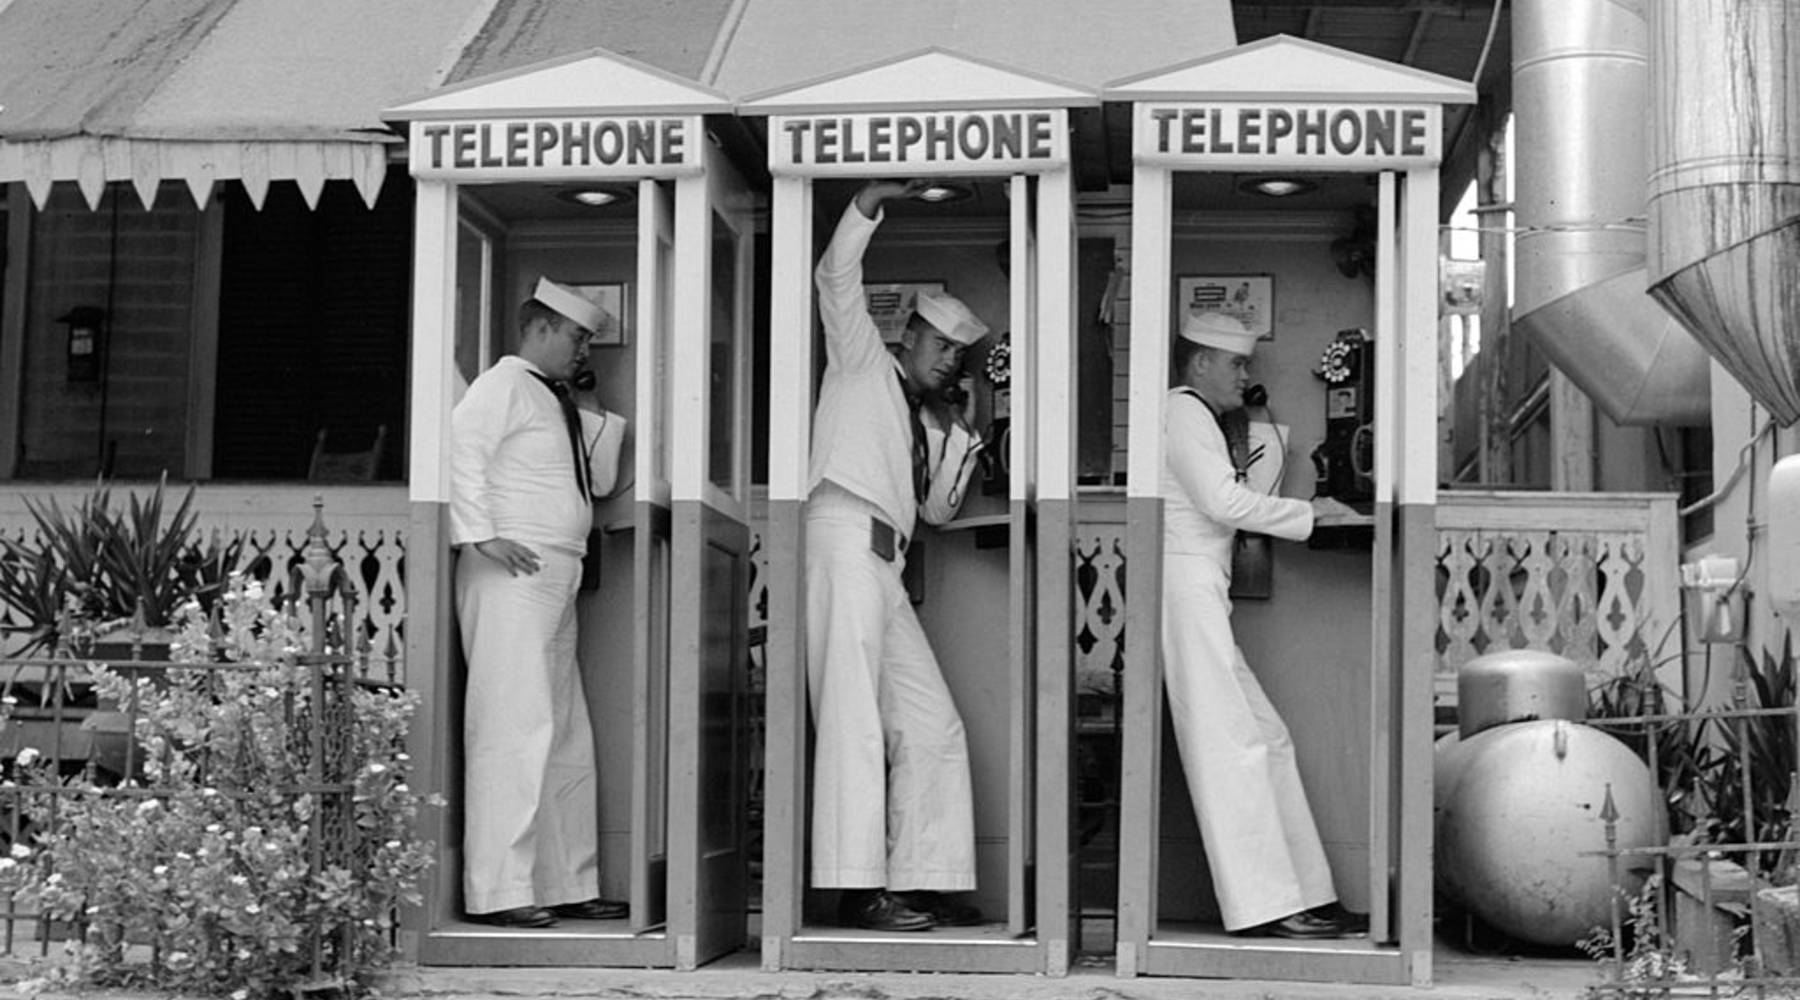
[[1579, 75], [1725, 186]]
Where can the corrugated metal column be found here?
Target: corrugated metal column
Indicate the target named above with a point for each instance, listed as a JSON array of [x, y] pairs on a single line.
[[429, 639], [1141, 766], [1054, 404], [790, 445], [1414, 433]]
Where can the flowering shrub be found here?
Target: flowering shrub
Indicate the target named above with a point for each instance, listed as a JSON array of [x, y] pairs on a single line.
[[266, 839]]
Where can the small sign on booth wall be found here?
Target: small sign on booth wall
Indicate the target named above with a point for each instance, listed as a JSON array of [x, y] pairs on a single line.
[[891, 305], [610, 297], [1248, 298]]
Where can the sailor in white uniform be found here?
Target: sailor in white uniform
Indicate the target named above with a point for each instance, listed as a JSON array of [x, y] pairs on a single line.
[[527, 459], [1269, 870], [893, 815]]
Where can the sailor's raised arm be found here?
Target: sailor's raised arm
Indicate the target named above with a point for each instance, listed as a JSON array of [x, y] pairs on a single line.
[[851, 338]]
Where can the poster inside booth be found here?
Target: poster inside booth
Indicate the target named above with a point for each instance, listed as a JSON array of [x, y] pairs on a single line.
[[941, 190]]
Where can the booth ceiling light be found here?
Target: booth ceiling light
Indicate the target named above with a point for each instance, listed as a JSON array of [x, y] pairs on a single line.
[[595, 197], [1277, 187], [939, 194]]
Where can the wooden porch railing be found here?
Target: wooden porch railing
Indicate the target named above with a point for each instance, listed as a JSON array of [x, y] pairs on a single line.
[[1589, 576], [367, 532]]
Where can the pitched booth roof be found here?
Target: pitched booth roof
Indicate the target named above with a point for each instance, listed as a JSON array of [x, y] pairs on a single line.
[[1293, 68], [568, 84], [776, 44], [929, 78]]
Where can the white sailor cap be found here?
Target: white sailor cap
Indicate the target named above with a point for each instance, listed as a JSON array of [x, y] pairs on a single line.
[[566, 301], [1215, 329], [951, 318]]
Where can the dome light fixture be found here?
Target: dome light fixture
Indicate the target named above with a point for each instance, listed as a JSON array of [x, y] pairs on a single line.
[[599, 197], [1277, 187], [944, 194]]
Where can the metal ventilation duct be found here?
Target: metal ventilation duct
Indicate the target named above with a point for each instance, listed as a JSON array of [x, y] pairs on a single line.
[[1580, 84], [1725, 186]]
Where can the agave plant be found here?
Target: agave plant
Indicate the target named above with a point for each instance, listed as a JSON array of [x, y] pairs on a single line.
[[97, 563]]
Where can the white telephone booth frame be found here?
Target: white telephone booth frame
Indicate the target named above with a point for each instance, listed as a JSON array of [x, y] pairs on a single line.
[[935, 82], [1177, 116], [591, 92]]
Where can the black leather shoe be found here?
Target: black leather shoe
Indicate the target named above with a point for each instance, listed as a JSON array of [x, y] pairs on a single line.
[[1350, 921], [943, 911], [518, 916], [879, 910], [1302, 925], [592, 909]]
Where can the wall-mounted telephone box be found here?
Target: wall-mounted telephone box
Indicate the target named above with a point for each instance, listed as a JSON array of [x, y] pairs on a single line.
[[1345, 460], [86, 342]]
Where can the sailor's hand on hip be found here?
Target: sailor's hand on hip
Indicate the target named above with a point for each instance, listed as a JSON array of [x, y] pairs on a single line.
[[516, 558]]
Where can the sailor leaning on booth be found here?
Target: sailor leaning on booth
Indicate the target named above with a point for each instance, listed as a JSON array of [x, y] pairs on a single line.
[[893, 813], [528, 456], [1268, 867]]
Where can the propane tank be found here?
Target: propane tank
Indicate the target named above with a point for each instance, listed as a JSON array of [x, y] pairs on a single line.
[[1518, 835], [1517, 685], [1784, 539]]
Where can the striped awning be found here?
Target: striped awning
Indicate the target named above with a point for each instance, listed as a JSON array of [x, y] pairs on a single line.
[[203, 91]]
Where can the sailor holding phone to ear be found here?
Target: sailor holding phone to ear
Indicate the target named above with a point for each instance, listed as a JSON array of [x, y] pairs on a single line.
[[893, 813], [1269, 868], [527, 460]]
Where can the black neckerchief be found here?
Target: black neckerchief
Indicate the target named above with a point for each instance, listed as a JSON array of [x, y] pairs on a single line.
[[572, 421], [921, 450], [1236, 432]]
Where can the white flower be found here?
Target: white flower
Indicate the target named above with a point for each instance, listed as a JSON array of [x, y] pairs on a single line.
[[27, 756], [392, 845], [21, 851], [213, 828], [147, 805], [253, 908], [54, 879], [239, 880], [7, 864], [160, 870]]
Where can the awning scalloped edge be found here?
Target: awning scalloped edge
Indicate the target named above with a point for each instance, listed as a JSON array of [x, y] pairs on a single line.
[[93, 161]]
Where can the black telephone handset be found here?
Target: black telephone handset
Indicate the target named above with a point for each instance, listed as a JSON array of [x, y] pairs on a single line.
[[1256, 395], [953, 395], [585, 380]]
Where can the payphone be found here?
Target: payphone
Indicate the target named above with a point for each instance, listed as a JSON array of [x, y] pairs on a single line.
[[1345, 460]]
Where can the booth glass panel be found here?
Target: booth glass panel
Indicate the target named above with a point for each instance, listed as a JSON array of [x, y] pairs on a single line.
[[723, 430]]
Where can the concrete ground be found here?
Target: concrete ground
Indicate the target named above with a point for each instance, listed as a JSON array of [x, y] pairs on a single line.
[[738, 977], [1457, 975]]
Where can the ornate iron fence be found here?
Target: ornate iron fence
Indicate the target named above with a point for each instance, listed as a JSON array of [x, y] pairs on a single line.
[[81, 746], [1715, 910]]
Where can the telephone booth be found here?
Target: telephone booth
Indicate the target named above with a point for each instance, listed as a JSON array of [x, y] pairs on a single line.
[[1329, 636], [992, 588], [600, 172]]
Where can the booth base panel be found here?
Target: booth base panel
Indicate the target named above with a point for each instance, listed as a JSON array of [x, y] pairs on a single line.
[[593, 943], [1201, 951], [986, 948]]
